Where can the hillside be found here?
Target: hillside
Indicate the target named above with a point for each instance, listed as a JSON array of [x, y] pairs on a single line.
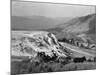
[[82, 24], [81, 27], [35, 22]]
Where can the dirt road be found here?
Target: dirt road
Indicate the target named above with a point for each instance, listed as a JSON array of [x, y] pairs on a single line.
[[86, 52]]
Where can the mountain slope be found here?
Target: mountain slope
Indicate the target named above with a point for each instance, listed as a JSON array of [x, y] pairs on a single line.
[[84, 26], [35, 22]]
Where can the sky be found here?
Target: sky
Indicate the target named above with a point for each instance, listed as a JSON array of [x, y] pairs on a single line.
[[25, 8]]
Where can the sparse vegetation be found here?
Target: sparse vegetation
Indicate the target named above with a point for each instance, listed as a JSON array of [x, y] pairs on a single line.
[[33, 67]]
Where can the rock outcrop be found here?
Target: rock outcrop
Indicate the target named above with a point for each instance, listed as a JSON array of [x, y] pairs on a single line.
[[33, 43]]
